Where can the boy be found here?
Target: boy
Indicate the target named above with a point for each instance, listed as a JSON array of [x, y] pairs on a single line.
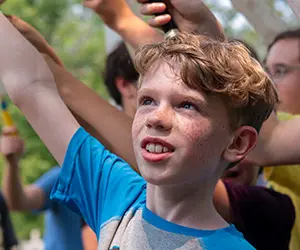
[[242, 215], [248, 208], [176, 133]]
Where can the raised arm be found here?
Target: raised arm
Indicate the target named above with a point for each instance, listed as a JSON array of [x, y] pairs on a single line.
[[106, 128], [117, 15], [109, 124], [190, 16], [34, 37], [30, 85], [278, 143]]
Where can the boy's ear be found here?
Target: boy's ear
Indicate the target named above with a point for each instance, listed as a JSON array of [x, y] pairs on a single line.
[[126, 89], [244, 140]]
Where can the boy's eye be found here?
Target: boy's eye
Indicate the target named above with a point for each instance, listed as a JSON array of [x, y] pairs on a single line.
[[188, 105], [146, 101]]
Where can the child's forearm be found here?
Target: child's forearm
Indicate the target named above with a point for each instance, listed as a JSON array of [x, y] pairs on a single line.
[[109, 125], [18, 65], [209, 25], [30, 85], [12, 187], [42, 46], [34, 37], [130, 27], [136, 32], [276, 144]]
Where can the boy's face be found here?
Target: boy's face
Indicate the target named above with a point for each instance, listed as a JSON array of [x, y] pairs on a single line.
[[284, 67], [179, 134]]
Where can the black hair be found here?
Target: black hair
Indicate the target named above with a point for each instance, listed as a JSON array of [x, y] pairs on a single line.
[[288, 34], [119, 64], [295, 33]]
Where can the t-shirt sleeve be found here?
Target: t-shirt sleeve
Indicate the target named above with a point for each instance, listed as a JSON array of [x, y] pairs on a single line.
[[95, 183], [262, 214], [46, 182]]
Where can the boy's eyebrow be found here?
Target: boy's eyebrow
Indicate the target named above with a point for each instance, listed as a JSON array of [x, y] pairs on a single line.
[[145, 91], [187, 96], [192, 98]]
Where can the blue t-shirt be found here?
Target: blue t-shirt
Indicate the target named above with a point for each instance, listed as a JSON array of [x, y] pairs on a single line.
[[111, 198], [62, 226]]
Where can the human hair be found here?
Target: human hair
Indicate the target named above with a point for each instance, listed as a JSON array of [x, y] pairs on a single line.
[[250, 48], [219, 68], [119, 64], [288, 34]]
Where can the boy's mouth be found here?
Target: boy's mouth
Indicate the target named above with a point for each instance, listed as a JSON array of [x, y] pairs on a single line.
[[155, 149], [156, 145]]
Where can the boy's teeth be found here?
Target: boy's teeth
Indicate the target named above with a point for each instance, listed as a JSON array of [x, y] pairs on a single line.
[[151, 147], [156, 148]]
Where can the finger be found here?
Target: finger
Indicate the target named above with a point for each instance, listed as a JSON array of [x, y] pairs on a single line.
[[150, 9], [159, 21]]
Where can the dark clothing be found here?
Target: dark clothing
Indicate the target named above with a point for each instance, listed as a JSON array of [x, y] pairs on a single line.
[[7, 234], [264, 216]]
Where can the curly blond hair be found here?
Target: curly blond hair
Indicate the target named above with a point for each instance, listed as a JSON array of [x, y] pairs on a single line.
[[220, 68]]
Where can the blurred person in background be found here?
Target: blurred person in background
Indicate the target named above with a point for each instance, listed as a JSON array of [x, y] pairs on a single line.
[[282, 62], [62, 226]]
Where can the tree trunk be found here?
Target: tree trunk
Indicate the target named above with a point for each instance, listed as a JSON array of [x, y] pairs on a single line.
[[262, 17]]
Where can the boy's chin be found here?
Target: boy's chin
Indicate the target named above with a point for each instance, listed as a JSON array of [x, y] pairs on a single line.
[[158, 179]]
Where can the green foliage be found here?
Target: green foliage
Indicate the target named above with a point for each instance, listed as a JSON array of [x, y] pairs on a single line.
[[78, 38]]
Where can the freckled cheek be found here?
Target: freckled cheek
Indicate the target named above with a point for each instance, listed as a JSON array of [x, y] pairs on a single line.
[[137, 126], [197, 136]]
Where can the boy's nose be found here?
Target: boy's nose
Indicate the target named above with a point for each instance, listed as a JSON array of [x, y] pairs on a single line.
[[160, 119]]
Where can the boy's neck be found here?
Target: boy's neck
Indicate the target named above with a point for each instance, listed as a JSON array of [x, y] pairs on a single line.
[[189, 206]]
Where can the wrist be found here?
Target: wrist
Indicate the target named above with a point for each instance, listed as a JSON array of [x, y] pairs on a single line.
[[12, 160], [116, 21]]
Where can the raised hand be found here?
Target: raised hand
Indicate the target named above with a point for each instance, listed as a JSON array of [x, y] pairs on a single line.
[[11, 145], [111, 11], [119, 17], [190, 16], [31, 87]]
